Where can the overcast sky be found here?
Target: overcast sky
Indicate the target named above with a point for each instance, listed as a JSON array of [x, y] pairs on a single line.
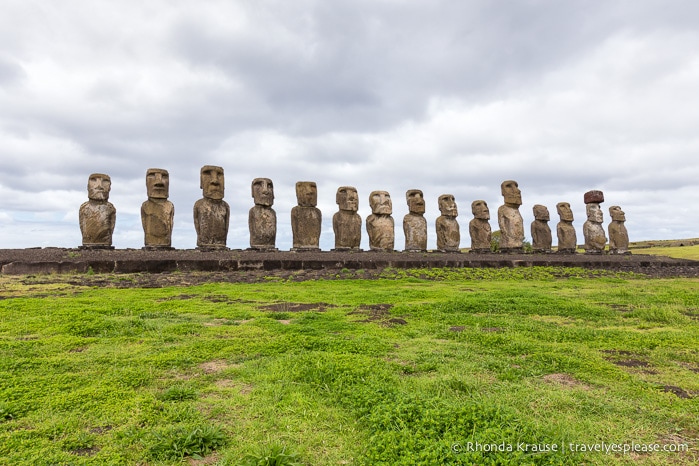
[[447, 96]]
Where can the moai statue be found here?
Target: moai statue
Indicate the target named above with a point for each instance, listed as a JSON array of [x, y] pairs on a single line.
[[97, 216], [618, 236], [541, 233], [379, 225], [157, 213], [479, 227], [306, 218], [595, 239], [567, 239], [211, 213], [509, 218], [262, 219], [414, 223], [448, 235], [347, 224]]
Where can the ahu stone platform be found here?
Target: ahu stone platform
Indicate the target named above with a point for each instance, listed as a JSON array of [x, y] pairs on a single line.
[[59, 260]]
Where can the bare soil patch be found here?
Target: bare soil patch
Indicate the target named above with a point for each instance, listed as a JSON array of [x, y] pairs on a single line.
[[295, 307], [564, 380]]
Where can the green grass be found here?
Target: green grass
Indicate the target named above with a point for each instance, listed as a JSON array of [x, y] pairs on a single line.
[[679, 252], [404, 370]]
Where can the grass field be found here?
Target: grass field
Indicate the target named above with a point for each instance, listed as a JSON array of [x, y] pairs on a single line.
[[396, 371], [679, 252]]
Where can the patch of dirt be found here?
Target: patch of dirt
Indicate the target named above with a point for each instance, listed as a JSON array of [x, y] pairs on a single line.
[[211, 367], [216, 323], [677, 391], [284, 321], [492, 329], [457, 328], [295, 307], [620, 307], [207, 460], [85, 451], [378, 313], [630, 363], [564, 380], [618, 352]]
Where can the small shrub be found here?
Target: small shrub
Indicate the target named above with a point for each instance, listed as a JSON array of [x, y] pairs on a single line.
[[179, 442], [179, 393], [271, 455]]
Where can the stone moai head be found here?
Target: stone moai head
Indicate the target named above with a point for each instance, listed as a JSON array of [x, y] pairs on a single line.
[[510, 191], [564, 211], [347, 198], [447, 205], [617, 214], [541, 213], [306, 193], [380, 202], [157, 183], [480, 210], [594, 213], [262, 191], [416, 202], [212, 182], [98, 187]]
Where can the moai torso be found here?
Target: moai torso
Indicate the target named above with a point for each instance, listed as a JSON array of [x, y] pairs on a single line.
[[541, 232], [262, 219], [414, 223], [157, 213], [306, 218], [618, 236], [211, 213], [97, 216], [347, 224], [509, 219]]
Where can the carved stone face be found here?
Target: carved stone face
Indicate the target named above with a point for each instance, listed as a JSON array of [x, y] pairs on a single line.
[[541, 213], [480, 210], [263, 191], [617, 214], [564, 211], [416, 202], [98, 187], [306, 193], [212, 182], [157, 183], [347, 198], [511, 193], [380, 202], [447, 205], [594, 213]]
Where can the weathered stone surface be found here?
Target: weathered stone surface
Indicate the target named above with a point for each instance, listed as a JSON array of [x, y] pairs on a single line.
[[509, 219], [262, 219], [97, 216], [306, 218], [157, 213], [541, 232], [211, 213], [565, 231], [380, 225], [618, 236], [595, 239], [347, 224], [414, 223], [479, 227], [594, 197], [448, 234]]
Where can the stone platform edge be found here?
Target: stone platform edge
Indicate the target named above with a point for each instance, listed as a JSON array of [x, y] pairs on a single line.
[[58, 261]]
